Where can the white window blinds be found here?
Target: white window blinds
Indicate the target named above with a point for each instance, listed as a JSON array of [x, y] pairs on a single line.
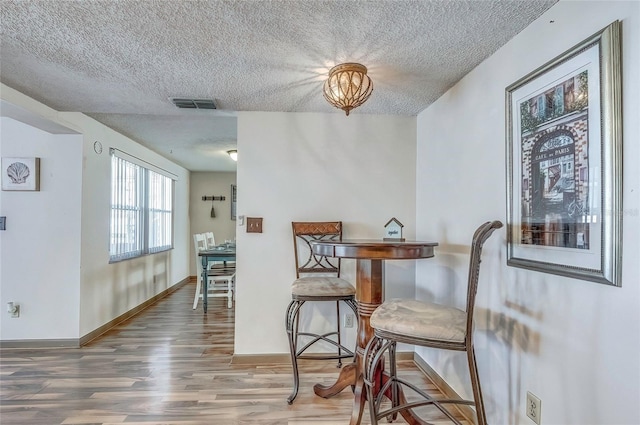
[[160, 189], [141, 209]]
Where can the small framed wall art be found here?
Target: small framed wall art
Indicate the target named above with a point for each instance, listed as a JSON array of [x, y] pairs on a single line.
[[21, 174], [234, 201], [564, 153]]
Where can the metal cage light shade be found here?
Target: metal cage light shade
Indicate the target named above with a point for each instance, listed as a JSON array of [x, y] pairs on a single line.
[[348, 86]]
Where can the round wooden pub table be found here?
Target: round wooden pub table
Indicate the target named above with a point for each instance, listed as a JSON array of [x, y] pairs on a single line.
[[369, 256]]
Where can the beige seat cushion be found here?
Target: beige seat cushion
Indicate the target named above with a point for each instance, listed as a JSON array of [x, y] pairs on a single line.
[[420, 320], [322, 287]]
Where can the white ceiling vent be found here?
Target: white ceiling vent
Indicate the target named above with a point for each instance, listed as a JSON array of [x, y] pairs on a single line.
[[186, 103]]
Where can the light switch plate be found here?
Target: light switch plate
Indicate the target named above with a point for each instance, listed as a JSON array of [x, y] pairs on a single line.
[[254, 224]]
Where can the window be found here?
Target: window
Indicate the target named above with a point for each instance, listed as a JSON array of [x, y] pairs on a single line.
[[141, 209], [160, 211]]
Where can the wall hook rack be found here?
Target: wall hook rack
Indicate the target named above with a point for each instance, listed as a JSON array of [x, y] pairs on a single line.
[[213, 198]]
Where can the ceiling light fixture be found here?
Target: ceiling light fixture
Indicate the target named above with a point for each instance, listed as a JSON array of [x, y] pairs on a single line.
[[233, 154], [348, 86]]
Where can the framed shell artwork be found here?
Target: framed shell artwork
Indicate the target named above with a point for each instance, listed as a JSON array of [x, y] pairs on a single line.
[[21, 174]]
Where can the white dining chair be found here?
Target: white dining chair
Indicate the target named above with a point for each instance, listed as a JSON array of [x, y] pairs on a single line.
[[200, 241], [220, 280], [210, 240]]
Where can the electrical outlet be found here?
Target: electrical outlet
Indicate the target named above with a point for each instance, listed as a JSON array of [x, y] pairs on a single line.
[[534, 407], [348, 320]]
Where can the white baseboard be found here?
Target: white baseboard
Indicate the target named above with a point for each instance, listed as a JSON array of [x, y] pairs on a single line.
[[78, 342]]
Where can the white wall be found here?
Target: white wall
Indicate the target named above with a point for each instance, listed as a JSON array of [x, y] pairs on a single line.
[[105, 290], [314, 167], [573, 343], [223, 228], [109, 290], [40, 260]]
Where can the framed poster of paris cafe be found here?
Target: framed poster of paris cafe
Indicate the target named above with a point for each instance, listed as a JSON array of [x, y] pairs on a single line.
[[564, 151]]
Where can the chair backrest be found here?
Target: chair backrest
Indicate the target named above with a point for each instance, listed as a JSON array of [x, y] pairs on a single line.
[[304, 232], [199, 244], [210, 239], [479, 238]]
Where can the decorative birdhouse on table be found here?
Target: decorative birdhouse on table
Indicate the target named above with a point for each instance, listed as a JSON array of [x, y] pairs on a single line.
[[393, 230]]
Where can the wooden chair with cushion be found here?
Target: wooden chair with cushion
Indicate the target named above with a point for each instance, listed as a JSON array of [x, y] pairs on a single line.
[[429, 325], [317, 279]]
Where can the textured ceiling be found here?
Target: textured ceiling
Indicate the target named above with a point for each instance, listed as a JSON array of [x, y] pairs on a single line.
[[121, 61]]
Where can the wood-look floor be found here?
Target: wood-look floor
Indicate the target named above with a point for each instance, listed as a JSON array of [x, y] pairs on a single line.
[[169, 365]]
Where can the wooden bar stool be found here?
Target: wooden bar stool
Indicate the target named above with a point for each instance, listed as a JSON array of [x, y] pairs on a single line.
[[428, 325], [317, 279]]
